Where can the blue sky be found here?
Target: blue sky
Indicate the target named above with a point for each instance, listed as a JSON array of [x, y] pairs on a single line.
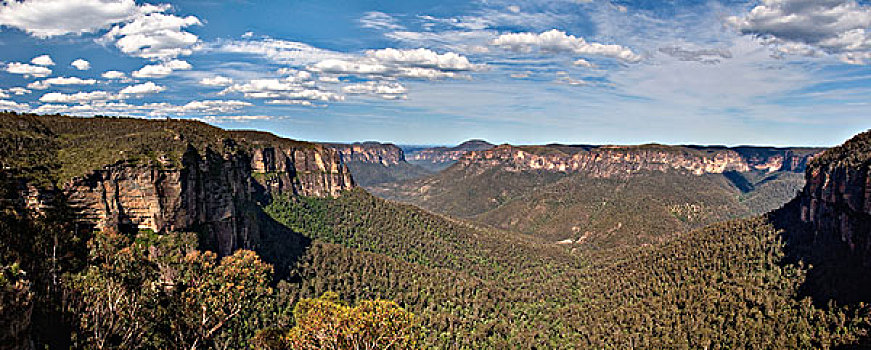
[[772, 72]]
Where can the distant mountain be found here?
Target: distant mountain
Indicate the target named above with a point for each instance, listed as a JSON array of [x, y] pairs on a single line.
[[374, 163], [608, 195], [438, 158]]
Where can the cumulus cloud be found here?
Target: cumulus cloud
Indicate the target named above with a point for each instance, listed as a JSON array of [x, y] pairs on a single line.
[[9, 105], [162, 69], [233, 118], [81, 64], [841, 27], [27, 70], [79, 97], [18, 91], [415, 63], [145, 30], [583, 63], [48, 18], [556, 41], [207, 106], [113, 74], [155, 36], [44, 60], [142, 89], [216, 81], [385, 90], [47, 83]]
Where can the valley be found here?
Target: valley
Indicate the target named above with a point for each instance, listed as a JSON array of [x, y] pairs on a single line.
[[511, 247]]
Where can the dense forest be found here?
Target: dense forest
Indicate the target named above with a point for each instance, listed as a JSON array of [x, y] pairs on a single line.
[[372, 273]]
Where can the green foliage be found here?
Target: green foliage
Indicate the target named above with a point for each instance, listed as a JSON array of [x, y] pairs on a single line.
[[324, 323], [854, 153], [157, 291]]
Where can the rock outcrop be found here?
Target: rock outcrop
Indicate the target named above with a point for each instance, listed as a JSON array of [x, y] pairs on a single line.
[[616, 161], [836, 199], [211, 192], [182, 176], [386, 154]]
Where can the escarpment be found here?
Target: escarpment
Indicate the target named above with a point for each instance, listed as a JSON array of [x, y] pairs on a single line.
[[836, 200], [386, 154], [617, 161], [175, 175]]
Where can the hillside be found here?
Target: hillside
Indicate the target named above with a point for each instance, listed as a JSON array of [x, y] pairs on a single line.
[[373, 163], [608, 196]]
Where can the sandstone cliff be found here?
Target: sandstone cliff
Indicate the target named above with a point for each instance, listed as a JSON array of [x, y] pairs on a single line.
[[386, 154], [179, 176], [836, 199], [374, 163], [616, 161]]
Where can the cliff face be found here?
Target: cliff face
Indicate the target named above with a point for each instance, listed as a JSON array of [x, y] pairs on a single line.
[[211, 192], [370, 152], [836, 199], [611, 161], [130, 174]]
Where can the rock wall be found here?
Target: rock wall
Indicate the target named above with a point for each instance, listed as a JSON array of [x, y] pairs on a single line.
[[836, 201], [370, 152], [611, 161], [218, 194]]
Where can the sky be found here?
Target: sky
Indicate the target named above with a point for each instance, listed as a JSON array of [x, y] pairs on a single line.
[[771, 72]]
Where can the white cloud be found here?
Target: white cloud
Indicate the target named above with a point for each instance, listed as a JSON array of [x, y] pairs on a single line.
[[423, 58], [155, 36], [81, 64], [13, 106], [294, 103], [47, 18], [841, 27], [280, 91], [79, 97], [414, 63], [47, 83], [85, 106], [44, 60], [113, 74], [385, 90], [162, 69], [280, 51], [216, 81], [233, 118], [583, 63], [27, 70], [142, 89], [18, 90], [379, 20], [207, 106], [556, 41]]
